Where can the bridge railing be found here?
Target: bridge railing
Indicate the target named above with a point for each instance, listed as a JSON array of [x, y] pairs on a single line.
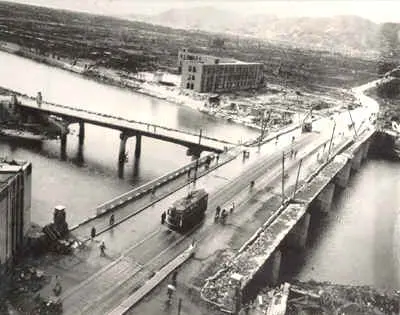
[[148, 187], [144, 124]]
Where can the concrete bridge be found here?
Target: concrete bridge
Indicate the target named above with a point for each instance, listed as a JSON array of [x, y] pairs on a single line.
[[196, 143], [258, 262]]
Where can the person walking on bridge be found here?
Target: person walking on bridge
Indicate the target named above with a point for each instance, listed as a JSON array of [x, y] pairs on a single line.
[[102, 249], [112, 220], [163, 215], [93, 232]]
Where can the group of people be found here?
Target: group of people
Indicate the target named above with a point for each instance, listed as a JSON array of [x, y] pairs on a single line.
[[93, 233], [221, 214]]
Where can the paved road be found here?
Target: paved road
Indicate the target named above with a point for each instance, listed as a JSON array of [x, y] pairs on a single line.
[[162, 245]]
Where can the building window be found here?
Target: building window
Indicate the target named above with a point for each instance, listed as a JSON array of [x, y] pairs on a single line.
[[190, 69], [193, 77], [191, 86], [188, 85], [194, 69]]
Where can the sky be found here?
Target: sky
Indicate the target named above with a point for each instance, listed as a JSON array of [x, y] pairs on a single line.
[[378, 10]]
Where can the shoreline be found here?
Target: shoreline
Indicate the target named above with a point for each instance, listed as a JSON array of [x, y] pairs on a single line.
[[111, 81]]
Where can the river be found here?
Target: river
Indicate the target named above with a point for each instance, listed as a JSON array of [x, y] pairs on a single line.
[[82, 187], [358, 243]]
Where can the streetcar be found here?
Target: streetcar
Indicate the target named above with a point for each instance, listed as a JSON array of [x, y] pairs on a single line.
[[188, 211]]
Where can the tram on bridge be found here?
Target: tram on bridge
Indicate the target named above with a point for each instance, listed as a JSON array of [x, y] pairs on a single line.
[[187, 211]]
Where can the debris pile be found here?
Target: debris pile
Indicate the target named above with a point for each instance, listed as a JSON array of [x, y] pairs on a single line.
[[219, 288], [326, 298]]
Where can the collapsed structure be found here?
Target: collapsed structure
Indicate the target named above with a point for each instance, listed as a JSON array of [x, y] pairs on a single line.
[[15, 204], [205, 73]]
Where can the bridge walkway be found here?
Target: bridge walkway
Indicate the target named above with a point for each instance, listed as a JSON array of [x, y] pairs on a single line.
[[101, 222], [120, 123]]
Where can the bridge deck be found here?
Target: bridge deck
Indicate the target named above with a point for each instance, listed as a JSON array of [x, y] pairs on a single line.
[[128, 125]]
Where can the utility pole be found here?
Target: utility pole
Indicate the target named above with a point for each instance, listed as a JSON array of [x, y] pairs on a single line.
[[283, 177], [179, 306], [352, 123], [197, 161], [330, 143], [297, 179]]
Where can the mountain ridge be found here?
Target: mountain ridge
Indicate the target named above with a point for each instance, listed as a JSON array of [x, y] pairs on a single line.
[[349, 33]]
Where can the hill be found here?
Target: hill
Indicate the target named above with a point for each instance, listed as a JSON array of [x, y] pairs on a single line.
[[339, 33]]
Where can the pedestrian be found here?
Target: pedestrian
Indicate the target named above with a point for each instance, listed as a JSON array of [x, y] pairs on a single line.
[[189, 172], [93, 232], [174, 276], [170, 290], [232, 208], [102, 249], [223, 216], [57, 287], [217, 158], [163, 215], [217, 212], [153, 191], [295, 153], [39, 99], [112, 219]]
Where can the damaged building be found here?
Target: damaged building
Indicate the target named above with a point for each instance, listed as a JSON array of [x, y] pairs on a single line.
[[205, 73], [15, 205]]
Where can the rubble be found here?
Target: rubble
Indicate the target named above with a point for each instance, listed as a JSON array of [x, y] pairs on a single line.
[[219, 289], [326, 298]]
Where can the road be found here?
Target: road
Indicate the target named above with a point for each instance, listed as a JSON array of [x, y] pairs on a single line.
[[154, 245], [161, 245]]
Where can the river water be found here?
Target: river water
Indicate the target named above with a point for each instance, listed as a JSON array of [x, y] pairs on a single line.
[[83, 187], [359, 242]]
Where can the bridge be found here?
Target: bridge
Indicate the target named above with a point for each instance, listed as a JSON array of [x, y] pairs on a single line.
[[196, 143]]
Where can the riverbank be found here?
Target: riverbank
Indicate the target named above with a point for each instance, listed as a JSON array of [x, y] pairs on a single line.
[[286, 105]]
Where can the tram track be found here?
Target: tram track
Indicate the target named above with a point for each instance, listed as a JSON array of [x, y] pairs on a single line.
[[162, 245]]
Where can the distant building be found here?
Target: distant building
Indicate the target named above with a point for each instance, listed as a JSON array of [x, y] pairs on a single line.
[[15, 204], [205, 73]]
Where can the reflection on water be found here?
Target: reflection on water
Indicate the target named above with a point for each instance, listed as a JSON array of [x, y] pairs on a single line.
[[89, 176], [359, 241]]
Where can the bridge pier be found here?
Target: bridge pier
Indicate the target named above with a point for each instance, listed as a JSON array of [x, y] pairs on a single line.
[[366, 150], [356, 160], [138, 146], [63, 152], [297, 238], [342, 178], [81, 132], [274, 267], [325, 198], [121, 155]]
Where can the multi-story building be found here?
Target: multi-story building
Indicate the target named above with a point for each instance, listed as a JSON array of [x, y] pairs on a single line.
[[15, 204], [205, 73]]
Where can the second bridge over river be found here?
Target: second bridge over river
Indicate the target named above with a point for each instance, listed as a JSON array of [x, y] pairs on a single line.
[[195, 142]]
